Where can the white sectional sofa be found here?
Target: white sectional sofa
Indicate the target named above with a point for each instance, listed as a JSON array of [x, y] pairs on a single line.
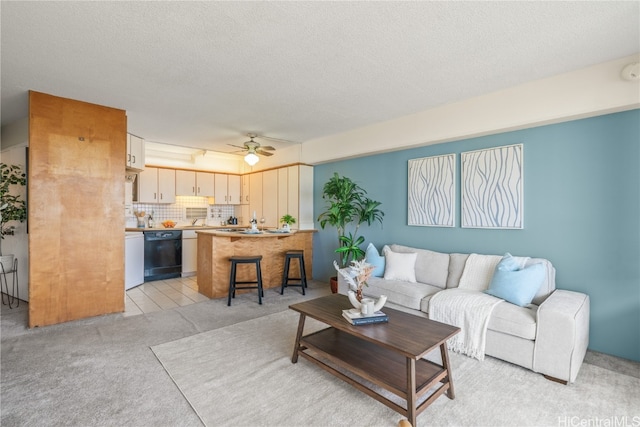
[[549, 336]]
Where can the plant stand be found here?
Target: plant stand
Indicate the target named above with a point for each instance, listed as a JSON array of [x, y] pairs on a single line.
[[14, 297]]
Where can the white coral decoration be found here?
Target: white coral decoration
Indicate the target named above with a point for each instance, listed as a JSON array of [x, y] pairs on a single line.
[[359, 270]]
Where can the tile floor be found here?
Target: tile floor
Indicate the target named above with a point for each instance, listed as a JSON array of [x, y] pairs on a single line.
[[162, 295]]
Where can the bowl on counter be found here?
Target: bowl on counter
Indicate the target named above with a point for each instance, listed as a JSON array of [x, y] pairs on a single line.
[[168, 224]]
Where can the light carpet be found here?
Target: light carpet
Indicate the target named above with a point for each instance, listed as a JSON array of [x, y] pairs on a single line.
[[242, 375]]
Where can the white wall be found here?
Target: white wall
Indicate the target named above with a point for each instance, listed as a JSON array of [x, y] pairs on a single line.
[[15, 133], [588, 92]]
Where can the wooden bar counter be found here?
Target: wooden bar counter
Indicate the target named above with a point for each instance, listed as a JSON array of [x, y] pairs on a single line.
[[215, 248]]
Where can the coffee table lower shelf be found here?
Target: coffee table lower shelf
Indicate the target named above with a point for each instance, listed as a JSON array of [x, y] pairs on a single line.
[[341, 353]]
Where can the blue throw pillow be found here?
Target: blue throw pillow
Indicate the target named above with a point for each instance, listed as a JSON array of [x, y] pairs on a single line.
[[374, 258], [517, 286]]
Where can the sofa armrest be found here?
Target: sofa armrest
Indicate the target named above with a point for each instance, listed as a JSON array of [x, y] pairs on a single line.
[[562, 335]]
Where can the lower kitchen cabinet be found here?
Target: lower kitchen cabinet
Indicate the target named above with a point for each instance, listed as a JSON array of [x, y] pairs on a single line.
[[189, 253]]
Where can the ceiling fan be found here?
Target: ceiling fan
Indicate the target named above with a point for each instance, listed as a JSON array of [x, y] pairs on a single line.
[[253, 148]]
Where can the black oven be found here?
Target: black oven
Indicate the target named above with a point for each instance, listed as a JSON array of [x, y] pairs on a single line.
[[162, 254]]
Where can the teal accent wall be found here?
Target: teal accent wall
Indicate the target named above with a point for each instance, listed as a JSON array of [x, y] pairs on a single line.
[[581, 211]]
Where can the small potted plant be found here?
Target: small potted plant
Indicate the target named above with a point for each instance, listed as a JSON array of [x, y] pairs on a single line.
[[12, 207], [287, 220]]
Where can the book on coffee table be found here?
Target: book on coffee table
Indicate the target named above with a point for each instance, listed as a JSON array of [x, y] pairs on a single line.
[[355, 317]]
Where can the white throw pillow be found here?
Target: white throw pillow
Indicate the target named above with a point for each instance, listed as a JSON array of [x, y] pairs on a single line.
[[400, 266]]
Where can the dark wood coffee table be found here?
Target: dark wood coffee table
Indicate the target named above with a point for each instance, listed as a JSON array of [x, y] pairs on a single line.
[[388, 355]]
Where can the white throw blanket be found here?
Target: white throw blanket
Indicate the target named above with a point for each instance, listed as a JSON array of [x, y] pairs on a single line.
[[470, 311]]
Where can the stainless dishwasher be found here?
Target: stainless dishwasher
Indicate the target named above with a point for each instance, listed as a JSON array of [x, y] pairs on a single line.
[[162, 254]]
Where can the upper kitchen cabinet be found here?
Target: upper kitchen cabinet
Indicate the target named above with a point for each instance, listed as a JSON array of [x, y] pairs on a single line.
[[270, 198], [255, 200], [227, 189], [135, 152], [156, 185], [277, 192], [185, 183], [234, 189], [192, 183], [244, 189], [205, 184], [295, 195]]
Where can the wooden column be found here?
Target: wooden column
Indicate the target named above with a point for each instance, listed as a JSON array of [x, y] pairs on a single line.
[[76, 209]]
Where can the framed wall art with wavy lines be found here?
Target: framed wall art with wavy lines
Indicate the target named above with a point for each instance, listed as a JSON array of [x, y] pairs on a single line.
[[491, 188], [431, 191]]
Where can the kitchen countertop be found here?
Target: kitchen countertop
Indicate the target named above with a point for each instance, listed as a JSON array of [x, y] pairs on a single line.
[[189, 227], [242, 234]]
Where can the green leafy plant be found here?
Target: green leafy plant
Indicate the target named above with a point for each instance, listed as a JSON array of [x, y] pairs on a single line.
[[287, 219], [348, 207], [12, 207]]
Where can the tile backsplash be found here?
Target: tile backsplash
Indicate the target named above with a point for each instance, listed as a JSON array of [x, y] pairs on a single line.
[[178, 211]]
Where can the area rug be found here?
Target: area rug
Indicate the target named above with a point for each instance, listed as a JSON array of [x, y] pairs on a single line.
[[242, 375]]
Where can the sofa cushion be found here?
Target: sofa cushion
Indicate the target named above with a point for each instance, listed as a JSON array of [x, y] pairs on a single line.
[[548, 283], [431, 267], [515, 284], [374, 258], [514, 320], [456, 267], [400, 266], [399, 292]]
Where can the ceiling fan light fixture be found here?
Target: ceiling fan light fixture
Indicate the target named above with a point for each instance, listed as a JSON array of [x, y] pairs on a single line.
[[251, 158]]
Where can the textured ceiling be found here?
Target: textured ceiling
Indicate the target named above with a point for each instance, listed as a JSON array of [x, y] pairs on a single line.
[[203, 74]]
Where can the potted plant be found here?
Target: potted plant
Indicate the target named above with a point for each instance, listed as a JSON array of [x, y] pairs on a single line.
[[287, 220], [348, 207], [12, 207]]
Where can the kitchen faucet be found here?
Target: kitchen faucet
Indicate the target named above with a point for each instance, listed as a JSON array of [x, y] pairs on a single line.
[[194, 221]]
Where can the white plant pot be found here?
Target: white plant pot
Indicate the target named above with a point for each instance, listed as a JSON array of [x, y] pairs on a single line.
[[286, 227]]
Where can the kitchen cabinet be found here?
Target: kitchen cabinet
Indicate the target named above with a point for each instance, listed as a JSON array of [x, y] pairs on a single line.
[[185, 183], [270, 198], [133, 259], [192, 183], [157, 185], [135, 152], [233, 189], [295, 195], [227, 189], [221, 189], [255, 200], [205, 184], [189, 253], [283, 193], [244, 190], [289, 193]]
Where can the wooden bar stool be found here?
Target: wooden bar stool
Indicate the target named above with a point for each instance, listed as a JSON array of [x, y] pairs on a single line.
[[302, 280], [233, 282]]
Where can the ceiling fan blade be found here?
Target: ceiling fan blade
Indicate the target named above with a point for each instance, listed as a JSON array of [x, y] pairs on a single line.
[[264, 153], [270, 138], [267, 147], [237, 146]]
